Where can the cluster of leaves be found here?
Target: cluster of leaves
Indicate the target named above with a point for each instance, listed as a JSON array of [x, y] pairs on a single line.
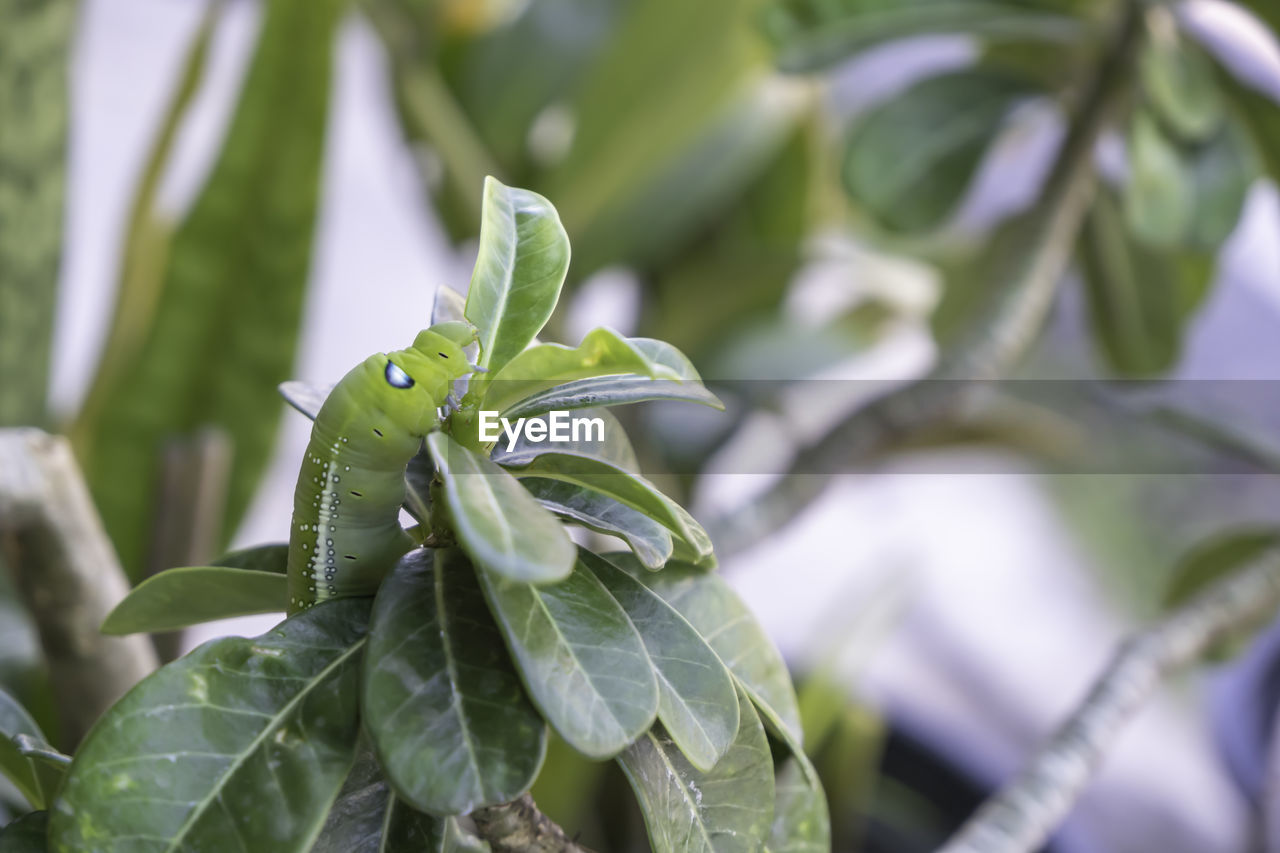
[[374, 724]]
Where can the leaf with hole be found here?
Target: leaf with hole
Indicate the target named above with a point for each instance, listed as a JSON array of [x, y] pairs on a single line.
[[442, 703], [697, 700], [580, 658], [240, 745], [499, 524], [726, 810]]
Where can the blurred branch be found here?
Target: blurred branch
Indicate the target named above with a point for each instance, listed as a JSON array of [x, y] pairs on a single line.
[[67, 575], [1031, 273], [518, 827], [1021, 817]]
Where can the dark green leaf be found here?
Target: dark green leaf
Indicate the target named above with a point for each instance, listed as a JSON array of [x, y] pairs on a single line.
[[26, 775], [1222, 171], [187, 596], [602, 391], [697, 701], [801, 823], [418, 475], [240, 745], [522, 261], [811, 34], [1214, 560], [367, 817], [1178, 81], [441, 700], [623, 486], [225, 324], [304, 396], [1159, 197], [728, 626], [603, 352], [27, 834], [910, 160], [727, 810], [580, 658], [497, 522], [650, 541], [259, 558]]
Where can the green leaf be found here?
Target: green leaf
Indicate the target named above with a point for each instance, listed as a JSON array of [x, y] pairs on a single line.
[[1216, 559], [367, 817], [1139, 298], [580, 658], [726, 810], [522, 261], [600, 391], [623, 486], [603, 352], [50, 765], [812, 34], [304, 396], [35, 60], [441, 700], [697, 701], [225, 324], [450, 306], [240, 745], [649, 540], [31, 778], [27, 834], [1222, 171], [498, 524], [1177, 79], [1159, 197], [615, 447], [724, 621], [259, 558], [801, 823], [911, 159], [176, 598]]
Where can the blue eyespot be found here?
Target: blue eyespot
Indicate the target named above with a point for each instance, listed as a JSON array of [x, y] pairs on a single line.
[[396, 377]]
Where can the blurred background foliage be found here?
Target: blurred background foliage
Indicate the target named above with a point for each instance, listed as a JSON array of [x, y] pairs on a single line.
[[710, 151]]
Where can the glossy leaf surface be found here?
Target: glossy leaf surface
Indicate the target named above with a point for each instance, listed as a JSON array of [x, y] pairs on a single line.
[[649, 540], [193, 594]]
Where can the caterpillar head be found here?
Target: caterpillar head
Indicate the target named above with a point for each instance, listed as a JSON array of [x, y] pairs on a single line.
[[413, 383]]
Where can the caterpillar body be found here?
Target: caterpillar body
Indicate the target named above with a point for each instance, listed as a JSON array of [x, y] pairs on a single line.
[[346, 532]]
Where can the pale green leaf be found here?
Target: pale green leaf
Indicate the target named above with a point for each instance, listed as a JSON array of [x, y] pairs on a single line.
[[176, 598], [649, 540], [726, 810], [697, 701], [240, 745], [1178, 81], [500, 526], [1159, 197], [522, 262], [580, 658], [801, 823], [441, 700], [599, 391]]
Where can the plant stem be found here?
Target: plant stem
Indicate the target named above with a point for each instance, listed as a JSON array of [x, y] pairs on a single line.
[[518, 827], [995, 344], [68, 576], [1022, 816]]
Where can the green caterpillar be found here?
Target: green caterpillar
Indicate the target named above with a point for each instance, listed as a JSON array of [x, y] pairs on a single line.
[[346, 532]]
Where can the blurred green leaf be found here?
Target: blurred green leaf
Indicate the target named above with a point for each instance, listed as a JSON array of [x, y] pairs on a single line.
[[242, 744], [176, 598], [1260, 115], [30, 777], [1177, 79], [811, 34], [650, 541], [911, 159], [226, 322], [441, 700], [1139, 298], [1215, 559], [521, 264], [35, 45], [500, 526], [1222, 171], [719, 615], [580, 658], [623, 486], [367, 817], [418, 476], [603, 352], [1159, 197], [726, 810], [697, 701], [800, 820], [27, 834]]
